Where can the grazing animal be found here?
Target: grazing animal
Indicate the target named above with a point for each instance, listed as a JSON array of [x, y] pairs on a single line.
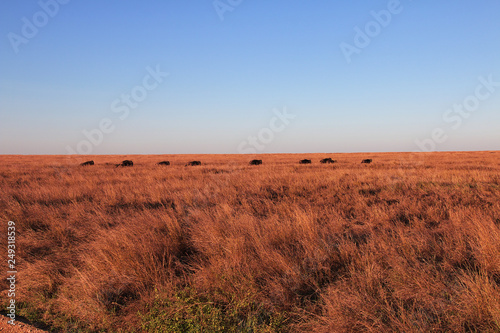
[[164, 163], [192, 163], [328, 160], [367, 161], [126, 163], [305, 161], [87, 163], [255, 162]]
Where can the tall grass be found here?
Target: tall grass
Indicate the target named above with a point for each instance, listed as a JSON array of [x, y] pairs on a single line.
[[410, 243]]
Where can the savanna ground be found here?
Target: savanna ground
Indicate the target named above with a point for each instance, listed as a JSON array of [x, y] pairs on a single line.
[[409, 243]]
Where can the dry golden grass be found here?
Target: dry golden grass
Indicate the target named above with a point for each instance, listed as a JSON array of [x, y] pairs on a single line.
[[409, 243]]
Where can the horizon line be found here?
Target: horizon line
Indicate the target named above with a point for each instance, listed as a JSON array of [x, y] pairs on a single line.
[[360, 152]]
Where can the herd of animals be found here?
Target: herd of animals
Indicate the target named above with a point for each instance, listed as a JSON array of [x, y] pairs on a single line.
[[126, 163]]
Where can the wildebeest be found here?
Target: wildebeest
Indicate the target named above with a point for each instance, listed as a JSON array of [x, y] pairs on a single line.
[[367, 161], [255, 162], [164, 163], [328, 160], [87, 163], [192, 163], [126, 163], [305, 161]]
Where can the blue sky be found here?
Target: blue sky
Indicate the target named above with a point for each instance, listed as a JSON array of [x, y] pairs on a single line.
[[234, 65]]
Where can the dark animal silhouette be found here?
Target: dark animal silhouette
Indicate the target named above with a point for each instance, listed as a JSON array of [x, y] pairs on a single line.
[[126, 163], [255, 162], [164, 163], [192, 163], [87, 163], [305, 161], [328, 160], [367, 161]]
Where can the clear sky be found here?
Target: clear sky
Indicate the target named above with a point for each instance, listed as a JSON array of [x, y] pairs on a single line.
[[239, 76]]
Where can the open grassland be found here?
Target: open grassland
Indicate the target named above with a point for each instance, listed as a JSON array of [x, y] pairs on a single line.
[[409, 243]]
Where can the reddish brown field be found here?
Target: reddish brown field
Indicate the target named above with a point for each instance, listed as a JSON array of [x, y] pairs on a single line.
[[409, 243]]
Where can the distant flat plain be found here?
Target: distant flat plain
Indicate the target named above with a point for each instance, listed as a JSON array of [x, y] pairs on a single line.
[[409, 242]]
